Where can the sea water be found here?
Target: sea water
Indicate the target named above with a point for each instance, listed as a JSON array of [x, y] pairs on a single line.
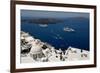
[[55, 35]]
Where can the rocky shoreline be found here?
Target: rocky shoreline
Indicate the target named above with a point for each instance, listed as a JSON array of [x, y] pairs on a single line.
[[34, 50]]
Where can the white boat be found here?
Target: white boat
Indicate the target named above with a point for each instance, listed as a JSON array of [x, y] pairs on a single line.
[[67, 29], [43, 25]]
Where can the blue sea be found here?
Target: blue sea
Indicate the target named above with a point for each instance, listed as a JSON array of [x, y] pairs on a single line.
[[55, 35]]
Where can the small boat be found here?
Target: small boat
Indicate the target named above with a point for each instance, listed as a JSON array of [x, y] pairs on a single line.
[[67, 29], [43, 25]]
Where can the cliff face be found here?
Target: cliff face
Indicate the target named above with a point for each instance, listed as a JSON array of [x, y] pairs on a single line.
[[34, 50]]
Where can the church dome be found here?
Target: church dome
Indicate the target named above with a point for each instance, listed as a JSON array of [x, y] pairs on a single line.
[[36, 49]]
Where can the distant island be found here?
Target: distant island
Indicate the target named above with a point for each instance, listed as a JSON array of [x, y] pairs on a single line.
[[42, 20]]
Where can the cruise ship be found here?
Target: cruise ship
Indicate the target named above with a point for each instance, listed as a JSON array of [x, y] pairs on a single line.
[[67, 29], [43, 25]]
